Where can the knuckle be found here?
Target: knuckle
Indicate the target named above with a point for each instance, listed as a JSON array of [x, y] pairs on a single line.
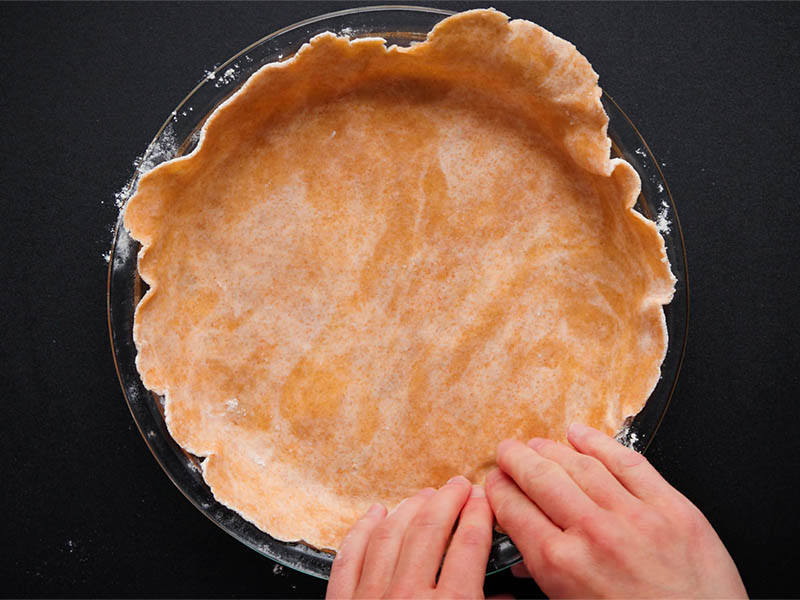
[[587, 467], [592, 525], [602, 530], [679, 511], [692, 514], [557, 553], [504, 509], [692, 520], [587, 464], [644, 518], [629, 459], [589, 522], [473, 536], [494, 483], [384, 533], [425, 521], [546, 446], [538, 470]]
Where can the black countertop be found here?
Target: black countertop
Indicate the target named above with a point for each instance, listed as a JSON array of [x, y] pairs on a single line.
[[86, 509]]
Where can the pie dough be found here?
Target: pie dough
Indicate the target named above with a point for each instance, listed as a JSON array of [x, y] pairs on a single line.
[[378, 263]]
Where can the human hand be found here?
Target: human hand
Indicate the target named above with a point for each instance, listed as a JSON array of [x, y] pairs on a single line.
[[398, 555], [599, 521]]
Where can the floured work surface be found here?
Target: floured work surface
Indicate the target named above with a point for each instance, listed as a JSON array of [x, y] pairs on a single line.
[[379, 263]]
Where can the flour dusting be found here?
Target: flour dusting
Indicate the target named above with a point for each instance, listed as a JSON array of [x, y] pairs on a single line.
[[629, 438], [163, 150], [663, 224], [228, 76]]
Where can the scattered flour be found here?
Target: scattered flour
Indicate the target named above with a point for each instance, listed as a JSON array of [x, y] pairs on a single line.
[[161, 151], [228, 76], [164, 149], [628, 438], [663, 224], [122, 196]]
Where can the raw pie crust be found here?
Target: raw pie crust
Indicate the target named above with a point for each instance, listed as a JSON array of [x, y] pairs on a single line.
[[378, 263]]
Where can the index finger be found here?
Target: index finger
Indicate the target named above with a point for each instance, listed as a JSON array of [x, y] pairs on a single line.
[[546, 483], [630, 468], [346, 569], [464, 566], [522, 520], [427, 534]]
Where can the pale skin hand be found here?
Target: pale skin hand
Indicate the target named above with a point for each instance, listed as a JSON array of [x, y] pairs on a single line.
[[596, 520], [398, 555]]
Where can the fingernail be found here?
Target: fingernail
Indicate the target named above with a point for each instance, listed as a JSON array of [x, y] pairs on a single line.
[[577, 429], [536, 443], [505, 445], [457, 479], [375, 510], [493, 476], [396, 507], [477, 492], [631, 459]]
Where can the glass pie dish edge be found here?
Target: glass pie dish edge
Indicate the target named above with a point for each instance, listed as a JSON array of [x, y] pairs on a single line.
[[179, 134]]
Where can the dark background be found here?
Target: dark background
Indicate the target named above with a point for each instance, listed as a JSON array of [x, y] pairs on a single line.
[[86, 511]]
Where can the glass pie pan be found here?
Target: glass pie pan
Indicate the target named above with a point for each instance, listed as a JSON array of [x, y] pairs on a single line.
[[399, 25]]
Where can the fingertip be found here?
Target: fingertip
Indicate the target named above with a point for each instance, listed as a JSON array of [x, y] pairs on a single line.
[[503, 446], [630, 457], [536, 443], [458, 480], [477, 492], [578, 430], [493, 476], [428, 491], [375, 510], [575, 430]]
